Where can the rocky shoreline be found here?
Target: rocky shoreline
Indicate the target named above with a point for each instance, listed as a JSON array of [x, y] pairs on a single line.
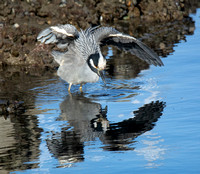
[[21, 21]]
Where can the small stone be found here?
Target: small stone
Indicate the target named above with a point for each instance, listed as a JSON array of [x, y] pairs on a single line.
[[134, 2], [41, 22], [136, 12], [162, 46], [1, 25], [23, 39], [16, 25], [15, 53], [49, 22], [126, 17]]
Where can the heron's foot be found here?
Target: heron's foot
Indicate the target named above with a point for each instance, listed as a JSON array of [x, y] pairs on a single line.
[[81, 88], [69, 87]]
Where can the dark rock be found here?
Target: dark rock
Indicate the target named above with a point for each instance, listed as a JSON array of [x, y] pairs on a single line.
[[15, 53]]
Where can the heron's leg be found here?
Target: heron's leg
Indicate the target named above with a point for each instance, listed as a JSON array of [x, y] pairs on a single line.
[[69, 87], [81, 88]]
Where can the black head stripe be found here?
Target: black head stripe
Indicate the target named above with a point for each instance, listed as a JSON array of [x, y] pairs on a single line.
[[95, 58]]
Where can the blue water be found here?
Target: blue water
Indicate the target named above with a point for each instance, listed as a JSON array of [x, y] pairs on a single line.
[[105, 129]]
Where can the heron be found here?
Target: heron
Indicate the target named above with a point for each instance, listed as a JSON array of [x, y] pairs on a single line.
[[82, 61]]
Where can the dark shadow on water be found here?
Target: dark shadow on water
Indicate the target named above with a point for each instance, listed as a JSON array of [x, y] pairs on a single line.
[[120, 134], [20, 141], [19, 130], [88, 121]]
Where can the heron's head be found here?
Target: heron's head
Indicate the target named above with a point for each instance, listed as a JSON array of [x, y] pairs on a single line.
[[97, 62]]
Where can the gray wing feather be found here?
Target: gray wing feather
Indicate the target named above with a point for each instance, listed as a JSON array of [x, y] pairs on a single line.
[[110, 36], [51, 39], [60, 34], [58, 56]]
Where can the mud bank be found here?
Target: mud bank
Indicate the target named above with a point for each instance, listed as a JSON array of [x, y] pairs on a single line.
[[21, 21]]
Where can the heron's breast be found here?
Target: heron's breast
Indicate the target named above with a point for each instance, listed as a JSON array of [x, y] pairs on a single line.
[[77, 73]]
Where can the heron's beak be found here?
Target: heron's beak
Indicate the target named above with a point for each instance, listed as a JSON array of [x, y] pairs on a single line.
[[100, 73]]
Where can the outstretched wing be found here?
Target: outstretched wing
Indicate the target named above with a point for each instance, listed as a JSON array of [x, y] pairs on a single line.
[[62, 35], [110, 36]]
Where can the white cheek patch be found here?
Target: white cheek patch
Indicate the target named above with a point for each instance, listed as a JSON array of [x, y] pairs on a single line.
[[92, 63], [101, 62]]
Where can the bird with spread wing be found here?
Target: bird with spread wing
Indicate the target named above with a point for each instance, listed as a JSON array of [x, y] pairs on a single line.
[[83, 62]]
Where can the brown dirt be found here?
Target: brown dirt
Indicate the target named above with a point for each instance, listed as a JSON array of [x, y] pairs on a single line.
[[21, 21]]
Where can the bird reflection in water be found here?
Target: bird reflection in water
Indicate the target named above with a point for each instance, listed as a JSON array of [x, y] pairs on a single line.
[[88, 121]]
